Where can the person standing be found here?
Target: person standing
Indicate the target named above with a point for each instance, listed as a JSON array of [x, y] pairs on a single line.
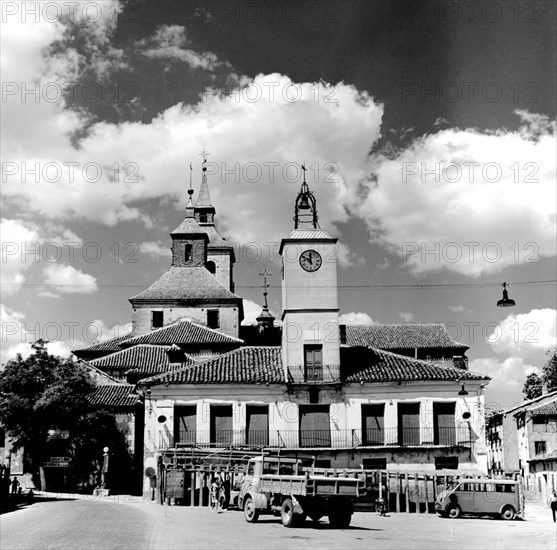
[[553, 504], [15, 486]]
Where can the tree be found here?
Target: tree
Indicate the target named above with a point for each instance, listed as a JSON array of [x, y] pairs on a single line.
[[532, 386], [549, 372], [44, 396]]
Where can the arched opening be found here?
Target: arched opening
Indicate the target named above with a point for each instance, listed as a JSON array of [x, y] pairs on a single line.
[[211, 267]]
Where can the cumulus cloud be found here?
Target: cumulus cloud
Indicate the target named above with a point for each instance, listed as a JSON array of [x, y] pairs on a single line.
[[526, 335], [353, 318], [466, 201], [155, 250], [169, 43], [16, 338], [26, 245], [66, 279], [523, 339], [406, 317]]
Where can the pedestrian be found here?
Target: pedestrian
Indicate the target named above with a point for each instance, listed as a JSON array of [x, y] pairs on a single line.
[[15, 486], [216, 495], [553, 504]]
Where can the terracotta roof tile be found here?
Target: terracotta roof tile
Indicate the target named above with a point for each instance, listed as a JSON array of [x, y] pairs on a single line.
[[108, 345], [114, 396], [374, 365], [547, 409], [401, 336], [141, 356], [183, 333], [187, 283], [249, 365]]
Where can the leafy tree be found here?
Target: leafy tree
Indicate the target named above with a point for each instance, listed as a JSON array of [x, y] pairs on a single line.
[[532, 386], [45, 394], [549, 372]]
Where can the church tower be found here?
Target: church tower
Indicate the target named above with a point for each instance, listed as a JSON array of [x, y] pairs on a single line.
[[310, 336], [199, 284]]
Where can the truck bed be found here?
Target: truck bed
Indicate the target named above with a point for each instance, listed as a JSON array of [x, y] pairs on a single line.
[[309, 485]]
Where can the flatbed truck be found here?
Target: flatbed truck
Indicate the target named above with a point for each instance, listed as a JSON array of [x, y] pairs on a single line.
[[285, 487]]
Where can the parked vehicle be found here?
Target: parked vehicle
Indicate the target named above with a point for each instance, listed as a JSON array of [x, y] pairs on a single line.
[[496, 497], [287, 488]]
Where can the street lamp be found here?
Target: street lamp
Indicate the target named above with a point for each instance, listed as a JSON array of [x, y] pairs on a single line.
[[505, 301]]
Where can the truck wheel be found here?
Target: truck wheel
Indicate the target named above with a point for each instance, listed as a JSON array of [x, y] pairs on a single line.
[[287, 513], [340, 519], [508, 513], [251, 513]]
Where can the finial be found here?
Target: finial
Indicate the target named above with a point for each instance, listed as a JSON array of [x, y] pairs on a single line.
[[190, 190], [204, 154], [266, 285]]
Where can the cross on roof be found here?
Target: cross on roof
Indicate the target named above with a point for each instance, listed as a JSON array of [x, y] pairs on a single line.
[[204, 154], [266, 285]]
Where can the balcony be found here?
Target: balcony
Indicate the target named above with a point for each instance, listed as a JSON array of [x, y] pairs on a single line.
[[461, 436], [314, 374]]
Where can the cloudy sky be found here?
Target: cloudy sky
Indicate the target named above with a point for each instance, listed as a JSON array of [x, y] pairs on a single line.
[[428, 130]]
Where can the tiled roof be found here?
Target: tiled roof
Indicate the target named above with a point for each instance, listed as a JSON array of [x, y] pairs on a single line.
[[309, 234], [189, 225], [401, 336], [108, 345], [247, 365], [140, 356], [547, 409], [181, 333], [114, 396], [376, 365], [187, 283], [552, 455]]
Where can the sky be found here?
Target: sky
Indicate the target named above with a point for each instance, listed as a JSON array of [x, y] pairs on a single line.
[[428, 131]]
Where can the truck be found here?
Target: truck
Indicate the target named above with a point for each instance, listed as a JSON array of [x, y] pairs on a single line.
[[291, 489]]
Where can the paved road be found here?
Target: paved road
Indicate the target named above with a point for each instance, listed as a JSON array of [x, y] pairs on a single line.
[[72, 524], [112, 523]]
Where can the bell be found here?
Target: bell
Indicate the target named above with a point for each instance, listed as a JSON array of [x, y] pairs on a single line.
[[304, 204], [505, 301]]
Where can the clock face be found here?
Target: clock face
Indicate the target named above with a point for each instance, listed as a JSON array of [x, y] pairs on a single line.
[[310, 260]]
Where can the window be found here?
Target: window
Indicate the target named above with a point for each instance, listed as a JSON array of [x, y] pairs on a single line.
[[322, 463], [313, 362], [540, 447], [157, 318], [187, 252], [203, 218], [221, 424], [374, 463], [315, 427], [185, 424], [373, 421], [257, 426], [446, 462], [213, 318], [409, 424], [2, 437], [444, 429]]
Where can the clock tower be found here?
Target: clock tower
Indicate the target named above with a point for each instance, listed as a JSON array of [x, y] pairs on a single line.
[[310, 334]]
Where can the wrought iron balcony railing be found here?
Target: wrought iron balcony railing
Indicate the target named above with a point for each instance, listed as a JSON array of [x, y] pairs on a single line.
[[335, 439], [314, 374]]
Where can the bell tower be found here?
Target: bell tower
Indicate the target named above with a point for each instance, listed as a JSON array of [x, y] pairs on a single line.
[[310, 335]]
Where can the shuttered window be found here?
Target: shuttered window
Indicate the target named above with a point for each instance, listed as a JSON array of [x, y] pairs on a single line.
[[315, 426], [373, 418], [313, 362], [408, 423], [185, 424], [221, 424], [257, 428], [444, 429]]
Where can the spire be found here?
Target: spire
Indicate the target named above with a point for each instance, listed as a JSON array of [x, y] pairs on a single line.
[[204, 199], [305, 207]]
